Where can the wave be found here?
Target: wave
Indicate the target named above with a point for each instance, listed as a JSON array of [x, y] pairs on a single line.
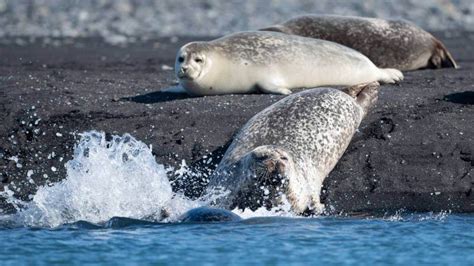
[[105, 179]]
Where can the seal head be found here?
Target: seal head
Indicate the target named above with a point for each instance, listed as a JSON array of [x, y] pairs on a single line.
[[260, 178], [192, 63]]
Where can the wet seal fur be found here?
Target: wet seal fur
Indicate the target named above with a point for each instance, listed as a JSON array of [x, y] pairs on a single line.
[[208, 215], [286, 151], [388, 43], [271, 62]]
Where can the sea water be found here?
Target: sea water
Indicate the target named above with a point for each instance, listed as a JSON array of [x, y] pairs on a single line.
[[116, 206]]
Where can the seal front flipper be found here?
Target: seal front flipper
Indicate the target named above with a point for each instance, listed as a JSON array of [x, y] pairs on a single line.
[[273, 89]]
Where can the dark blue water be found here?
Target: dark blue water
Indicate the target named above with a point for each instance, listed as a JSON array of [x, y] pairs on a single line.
[[413, 239]]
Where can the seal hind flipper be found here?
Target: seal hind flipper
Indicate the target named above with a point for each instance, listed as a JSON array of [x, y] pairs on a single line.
[[391, 75], [365, 94], [355, 90], [274, 90], [441, 56]]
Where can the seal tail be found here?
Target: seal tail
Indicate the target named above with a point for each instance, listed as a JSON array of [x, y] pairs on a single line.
[[441, 58], [391, 75]]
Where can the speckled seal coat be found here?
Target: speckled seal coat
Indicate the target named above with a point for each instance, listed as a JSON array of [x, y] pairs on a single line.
[[272, 62], [286, 150], [388, 43]]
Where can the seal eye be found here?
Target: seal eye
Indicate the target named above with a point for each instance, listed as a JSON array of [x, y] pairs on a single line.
[[198, 60], [181, 59]]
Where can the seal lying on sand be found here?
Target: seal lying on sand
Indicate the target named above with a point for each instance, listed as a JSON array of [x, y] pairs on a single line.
[[388, 43], [288, 149], [272, 62]]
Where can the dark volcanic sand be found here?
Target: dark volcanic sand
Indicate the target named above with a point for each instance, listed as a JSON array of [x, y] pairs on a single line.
[[414, 151]]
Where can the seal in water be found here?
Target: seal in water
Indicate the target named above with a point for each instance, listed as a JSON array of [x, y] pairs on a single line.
[[388, 43], [288, 149], [272, 62], [208, 215]]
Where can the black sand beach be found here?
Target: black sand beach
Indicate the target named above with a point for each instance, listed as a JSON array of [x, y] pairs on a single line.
[[414, 151]]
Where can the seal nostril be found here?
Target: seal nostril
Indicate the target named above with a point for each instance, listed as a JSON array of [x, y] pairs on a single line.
[[270, 164]]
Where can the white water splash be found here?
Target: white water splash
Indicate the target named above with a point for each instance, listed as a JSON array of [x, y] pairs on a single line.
[[106, 179], [283, 210]]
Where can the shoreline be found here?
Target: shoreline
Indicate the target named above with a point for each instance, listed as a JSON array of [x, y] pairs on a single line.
[[414, 150]]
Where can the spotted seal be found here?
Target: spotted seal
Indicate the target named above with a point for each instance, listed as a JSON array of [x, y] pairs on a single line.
[[388, 43], [272, 62], [287, 150]]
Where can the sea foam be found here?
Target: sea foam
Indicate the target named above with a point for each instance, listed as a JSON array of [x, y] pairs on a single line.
[[106, 178]]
